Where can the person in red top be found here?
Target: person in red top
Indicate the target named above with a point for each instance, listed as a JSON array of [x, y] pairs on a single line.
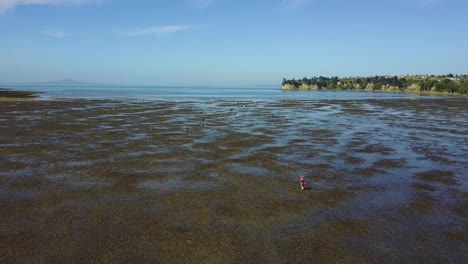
[[303, 183]]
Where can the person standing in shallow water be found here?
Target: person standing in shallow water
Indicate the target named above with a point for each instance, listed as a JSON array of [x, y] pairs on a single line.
[[303, 183]]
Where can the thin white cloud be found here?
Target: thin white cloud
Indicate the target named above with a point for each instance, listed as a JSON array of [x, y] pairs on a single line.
[[54, 33], [156, 30], [11, 4], [295, 4], [200, 3]]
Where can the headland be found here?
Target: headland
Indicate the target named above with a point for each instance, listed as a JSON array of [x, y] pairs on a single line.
[[427, 84]]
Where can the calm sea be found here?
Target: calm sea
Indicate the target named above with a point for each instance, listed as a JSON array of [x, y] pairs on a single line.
[[201, 93]]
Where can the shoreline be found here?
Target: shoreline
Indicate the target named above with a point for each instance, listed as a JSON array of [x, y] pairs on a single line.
[[377, 91], [9, 93]]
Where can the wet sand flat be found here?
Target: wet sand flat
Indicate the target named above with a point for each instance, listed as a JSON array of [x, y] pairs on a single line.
[[109, 181]]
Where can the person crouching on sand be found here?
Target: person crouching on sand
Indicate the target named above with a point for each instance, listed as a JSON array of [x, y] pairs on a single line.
[[303, 183]]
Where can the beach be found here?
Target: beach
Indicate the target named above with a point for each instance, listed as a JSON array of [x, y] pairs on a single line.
[[217, 181]]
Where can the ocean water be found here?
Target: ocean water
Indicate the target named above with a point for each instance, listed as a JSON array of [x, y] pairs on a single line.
[[201, 93]]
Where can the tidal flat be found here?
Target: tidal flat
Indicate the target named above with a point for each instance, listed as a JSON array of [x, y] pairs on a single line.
[[217, 181]]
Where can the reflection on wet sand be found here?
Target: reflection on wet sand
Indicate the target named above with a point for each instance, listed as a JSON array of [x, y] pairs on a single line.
[[217, 181]]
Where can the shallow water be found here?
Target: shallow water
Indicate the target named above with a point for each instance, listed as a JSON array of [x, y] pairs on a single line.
[[272, 92], [147, 181]]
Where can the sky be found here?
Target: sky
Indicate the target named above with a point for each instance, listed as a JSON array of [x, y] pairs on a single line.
[[228, 42]]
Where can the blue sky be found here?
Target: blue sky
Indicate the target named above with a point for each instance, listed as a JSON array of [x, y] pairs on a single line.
[[228, 42]]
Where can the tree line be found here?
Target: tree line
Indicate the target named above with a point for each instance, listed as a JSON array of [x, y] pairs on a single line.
[[424, 83]]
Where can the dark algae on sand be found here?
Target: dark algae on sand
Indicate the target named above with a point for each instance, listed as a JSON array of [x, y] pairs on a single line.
[[109, 181], [9, 93]]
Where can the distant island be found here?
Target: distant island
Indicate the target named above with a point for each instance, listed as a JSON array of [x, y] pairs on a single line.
[[443, 84]]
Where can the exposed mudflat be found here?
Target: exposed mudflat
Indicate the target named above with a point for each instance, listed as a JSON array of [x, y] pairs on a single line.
[[102, 181], [10, 94]]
